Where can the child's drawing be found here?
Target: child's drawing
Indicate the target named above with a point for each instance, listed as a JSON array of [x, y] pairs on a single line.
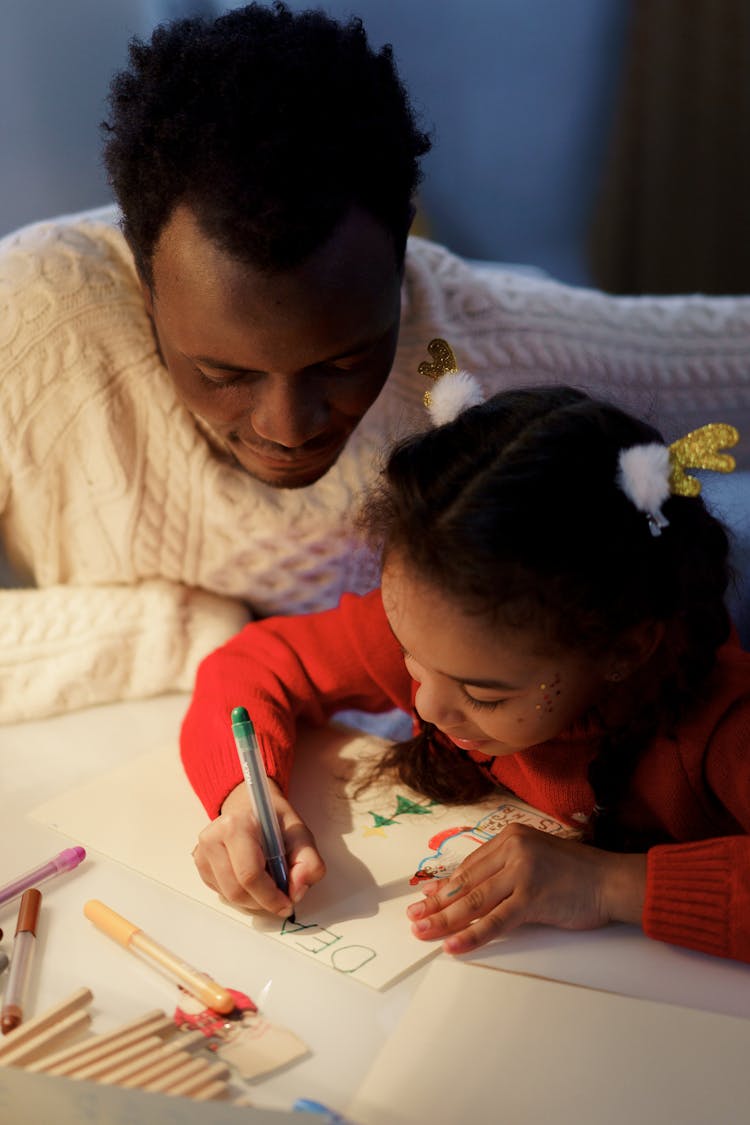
[[451, 845], [404, 806]]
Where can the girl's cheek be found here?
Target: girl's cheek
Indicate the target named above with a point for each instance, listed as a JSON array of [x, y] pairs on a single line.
[[549, 695]]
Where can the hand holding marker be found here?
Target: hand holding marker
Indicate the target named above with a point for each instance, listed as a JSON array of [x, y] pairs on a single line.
[[256, 780]]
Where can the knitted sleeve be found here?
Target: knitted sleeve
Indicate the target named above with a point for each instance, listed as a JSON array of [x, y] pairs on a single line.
[[698, 893], [286, 669], [64, 647]]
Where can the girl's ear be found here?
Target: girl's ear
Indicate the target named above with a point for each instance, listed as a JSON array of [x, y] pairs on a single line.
[[635, 647]]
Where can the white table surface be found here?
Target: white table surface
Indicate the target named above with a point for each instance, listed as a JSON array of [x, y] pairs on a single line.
[[343, 1021]]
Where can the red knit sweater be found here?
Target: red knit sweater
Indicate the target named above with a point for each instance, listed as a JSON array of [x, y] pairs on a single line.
[[692, 790]]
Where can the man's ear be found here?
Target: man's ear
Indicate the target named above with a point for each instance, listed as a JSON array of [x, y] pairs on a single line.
[[634, 648]]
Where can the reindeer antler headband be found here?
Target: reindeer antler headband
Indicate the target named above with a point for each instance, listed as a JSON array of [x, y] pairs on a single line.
[[454, 390], [648, 474]]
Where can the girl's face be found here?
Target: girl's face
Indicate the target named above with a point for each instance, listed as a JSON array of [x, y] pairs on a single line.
[[490, 688]]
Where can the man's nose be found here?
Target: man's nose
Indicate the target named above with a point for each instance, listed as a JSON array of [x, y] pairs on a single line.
[[288, 412]]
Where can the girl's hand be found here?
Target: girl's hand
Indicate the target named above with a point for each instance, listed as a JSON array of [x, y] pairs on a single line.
[[229, 855], [524, 875]]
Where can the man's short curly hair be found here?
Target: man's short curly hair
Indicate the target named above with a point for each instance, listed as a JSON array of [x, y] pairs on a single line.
[[270, 124]]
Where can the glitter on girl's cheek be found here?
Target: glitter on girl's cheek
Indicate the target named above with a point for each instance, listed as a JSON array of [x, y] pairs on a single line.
[[546, 690]]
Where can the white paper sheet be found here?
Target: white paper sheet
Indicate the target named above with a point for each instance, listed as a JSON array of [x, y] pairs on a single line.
[[146, 816], [484, 1045]]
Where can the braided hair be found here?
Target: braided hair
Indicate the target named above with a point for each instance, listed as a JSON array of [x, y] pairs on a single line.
[[514, 511]]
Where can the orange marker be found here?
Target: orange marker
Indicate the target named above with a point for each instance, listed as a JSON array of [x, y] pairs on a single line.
[[134, 939], [20, 965]]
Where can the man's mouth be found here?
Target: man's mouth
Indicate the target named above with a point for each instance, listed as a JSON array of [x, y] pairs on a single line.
[[288, 468]]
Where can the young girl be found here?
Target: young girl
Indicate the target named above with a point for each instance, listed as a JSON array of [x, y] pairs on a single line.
[[553, 617]]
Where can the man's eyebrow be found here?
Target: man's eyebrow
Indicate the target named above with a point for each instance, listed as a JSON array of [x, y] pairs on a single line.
[[212, 361]]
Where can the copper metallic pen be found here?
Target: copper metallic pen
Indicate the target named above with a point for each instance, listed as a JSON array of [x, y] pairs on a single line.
[[24, 944]]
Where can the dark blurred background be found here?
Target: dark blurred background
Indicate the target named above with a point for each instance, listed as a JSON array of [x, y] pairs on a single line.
[[604, 142]]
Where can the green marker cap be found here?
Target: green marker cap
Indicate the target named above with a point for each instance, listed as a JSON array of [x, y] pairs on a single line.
[[240, 715]]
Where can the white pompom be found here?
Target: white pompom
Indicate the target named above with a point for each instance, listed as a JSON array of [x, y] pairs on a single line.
[[643, 476], [453, 392]]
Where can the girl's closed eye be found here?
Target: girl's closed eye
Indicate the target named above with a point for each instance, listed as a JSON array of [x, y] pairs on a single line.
[[483, 704], [479, 704]]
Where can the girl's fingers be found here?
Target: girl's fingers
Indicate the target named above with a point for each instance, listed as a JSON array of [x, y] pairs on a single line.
[[235, 868], [205, 869], [467, 879], [306, 866], [230, 860], [504, 918], [248, 873], [527, 876], [457, 905]]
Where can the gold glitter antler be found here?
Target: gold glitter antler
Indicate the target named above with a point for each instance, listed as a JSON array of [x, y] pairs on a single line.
[[700, 450], [444, 363], [444, 360]]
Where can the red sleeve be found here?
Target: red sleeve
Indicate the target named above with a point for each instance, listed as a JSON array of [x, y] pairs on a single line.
[[698, 894], [283, 669]]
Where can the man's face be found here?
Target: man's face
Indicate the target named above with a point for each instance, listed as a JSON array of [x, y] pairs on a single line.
[[282, 367]]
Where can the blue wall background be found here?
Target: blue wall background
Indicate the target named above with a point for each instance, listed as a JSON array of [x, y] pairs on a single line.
[[518, 94]]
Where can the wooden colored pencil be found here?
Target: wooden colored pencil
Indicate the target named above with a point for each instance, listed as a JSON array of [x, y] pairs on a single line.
[[122, 1067], [212, 1091], [187, 1069], [47, 1039], [137, 1068], [25, 1031], [147, 1053], [88, 1050], [99, 1070], [189, 1087], [153, 1071]]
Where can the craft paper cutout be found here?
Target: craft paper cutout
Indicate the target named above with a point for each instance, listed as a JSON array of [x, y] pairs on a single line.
[[245, 1040], [354, 921]]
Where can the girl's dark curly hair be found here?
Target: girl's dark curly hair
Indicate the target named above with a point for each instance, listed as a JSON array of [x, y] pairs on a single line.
[[270, 124], [513, 510]]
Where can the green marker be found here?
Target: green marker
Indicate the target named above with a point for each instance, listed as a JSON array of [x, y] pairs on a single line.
[[256, 780]]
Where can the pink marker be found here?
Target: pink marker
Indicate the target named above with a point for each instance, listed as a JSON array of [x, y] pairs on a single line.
[[65, 861]]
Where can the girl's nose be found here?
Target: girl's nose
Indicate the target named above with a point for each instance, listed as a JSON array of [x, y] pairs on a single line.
[[433, 702]]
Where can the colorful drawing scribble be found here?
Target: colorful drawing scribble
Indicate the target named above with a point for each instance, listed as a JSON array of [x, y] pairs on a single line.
[[451, 846], [404, 806]]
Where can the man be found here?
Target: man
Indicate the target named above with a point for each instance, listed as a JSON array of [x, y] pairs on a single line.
[[192, 399]]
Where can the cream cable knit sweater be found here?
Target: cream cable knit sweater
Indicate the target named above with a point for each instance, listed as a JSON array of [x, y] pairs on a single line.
[[147, 547]]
